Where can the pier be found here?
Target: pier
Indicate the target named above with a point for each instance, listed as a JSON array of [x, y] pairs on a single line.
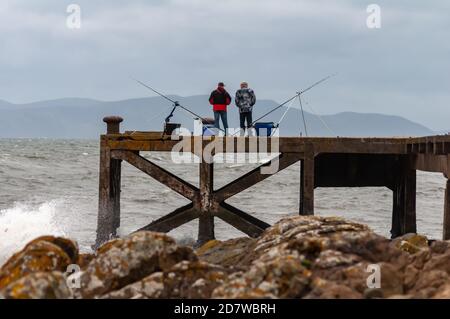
[[325, 162]]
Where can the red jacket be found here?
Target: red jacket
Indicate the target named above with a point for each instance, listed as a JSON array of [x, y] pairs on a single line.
[[219, 99]]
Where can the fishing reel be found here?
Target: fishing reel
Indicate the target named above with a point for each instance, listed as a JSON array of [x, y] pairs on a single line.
[[169, 128]]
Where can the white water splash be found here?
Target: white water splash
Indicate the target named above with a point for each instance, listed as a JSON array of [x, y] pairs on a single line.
[[23, 223]]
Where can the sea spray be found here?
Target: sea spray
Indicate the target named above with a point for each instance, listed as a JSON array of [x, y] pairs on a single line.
[[23, 223]]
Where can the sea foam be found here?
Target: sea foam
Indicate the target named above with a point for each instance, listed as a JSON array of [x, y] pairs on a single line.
[[23, 223]]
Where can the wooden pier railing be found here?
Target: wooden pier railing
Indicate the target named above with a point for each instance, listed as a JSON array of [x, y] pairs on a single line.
[[325, 162]]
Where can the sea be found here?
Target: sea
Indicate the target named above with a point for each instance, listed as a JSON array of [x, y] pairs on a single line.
[[50, 187]]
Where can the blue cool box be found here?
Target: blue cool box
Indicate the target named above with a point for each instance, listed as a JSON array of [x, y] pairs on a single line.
[[265, 127], [208, 130]]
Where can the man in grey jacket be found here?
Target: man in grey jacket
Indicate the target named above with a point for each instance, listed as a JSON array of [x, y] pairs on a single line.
[[245, 100]]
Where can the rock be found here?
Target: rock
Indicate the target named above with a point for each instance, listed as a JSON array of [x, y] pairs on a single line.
[[443, 292], [392, 279], [324, 289], [69, 246], [439, 247], [374, 293], [193, 280], [84, 260], [415, 267], [298, 257], [327, 233], [43, 254], [290, 258], [411, 243], [332, 258], [124, 261], [229, 253], [356, 277], [411, 276], [186, 279], [150, 287], [438, 262], [429, 283], [38, 285], [279, 273]]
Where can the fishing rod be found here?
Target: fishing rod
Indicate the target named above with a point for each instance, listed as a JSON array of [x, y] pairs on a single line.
[[294, 97], [175, 104], [273, 110]]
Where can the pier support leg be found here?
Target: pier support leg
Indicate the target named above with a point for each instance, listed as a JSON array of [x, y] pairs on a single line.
[[206, 218], [446, 233], [404, 204], [307, 183], [108, 219], [116, 173], [109, 196]]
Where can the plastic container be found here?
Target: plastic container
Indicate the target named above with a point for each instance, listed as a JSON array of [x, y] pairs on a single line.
[[209, 130], [264, 128]]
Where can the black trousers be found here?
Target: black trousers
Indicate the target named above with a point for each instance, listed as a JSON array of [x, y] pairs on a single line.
[[245, 117]]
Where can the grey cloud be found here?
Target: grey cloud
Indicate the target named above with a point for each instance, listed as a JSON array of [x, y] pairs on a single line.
[[279, 46]]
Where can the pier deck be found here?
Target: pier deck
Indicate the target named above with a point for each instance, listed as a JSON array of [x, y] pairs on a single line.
[[325, 162]]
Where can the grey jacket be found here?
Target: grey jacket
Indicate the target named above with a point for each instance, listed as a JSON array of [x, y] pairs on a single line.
[[245, 100]]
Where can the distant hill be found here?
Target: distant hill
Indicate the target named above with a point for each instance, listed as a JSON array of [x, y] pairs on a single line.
[[82, 118]]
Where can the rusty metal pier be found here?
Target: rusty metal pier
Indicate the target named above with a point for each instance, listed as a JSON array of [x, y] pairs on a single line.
[[325, 162]]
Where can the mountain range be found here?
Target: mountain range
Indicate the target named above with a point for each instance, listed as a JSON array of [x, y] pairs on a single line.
[[82, 118]]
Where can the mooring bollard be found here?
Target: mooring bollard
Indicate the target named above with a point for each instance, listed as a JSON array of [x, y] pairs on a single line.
[[113, 124]]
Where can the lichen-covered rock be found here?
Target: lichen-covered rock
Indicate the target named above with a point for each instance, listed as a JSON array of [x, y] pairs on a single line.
[[332, 258], [356, 278], [39, 285], [186, 279], [429, 273], [130, 259], [279, 273], [298, 257], [411, 243], [429, 283], [304, 256], [43, 254], [193, 280], [323, 230], [415, 267], [84, 260], [151, 287], [439, 247], [228, 253], [69, 246], [438, 262]]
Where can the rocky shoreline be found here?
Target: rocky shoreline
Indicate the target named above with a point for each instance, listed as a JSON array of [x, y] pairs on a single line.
[[299, 257]]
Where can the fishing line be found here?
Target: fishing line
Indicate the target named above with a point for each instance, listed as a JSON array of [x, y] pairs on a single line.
[[282, 117], [176, 104], [292, 98], [321, 119]]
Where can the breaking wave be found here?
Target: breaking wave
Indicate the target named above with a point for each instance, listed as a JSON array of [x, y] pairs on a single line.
[[23, 223]]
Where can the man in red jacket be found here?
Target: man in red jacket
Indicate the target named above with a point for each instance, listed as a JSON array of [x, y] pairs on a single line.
[[220, 99]]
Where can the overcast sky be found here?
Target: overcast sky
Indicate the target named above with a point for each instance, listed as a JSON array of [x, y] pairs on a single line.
[[279, 46]]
